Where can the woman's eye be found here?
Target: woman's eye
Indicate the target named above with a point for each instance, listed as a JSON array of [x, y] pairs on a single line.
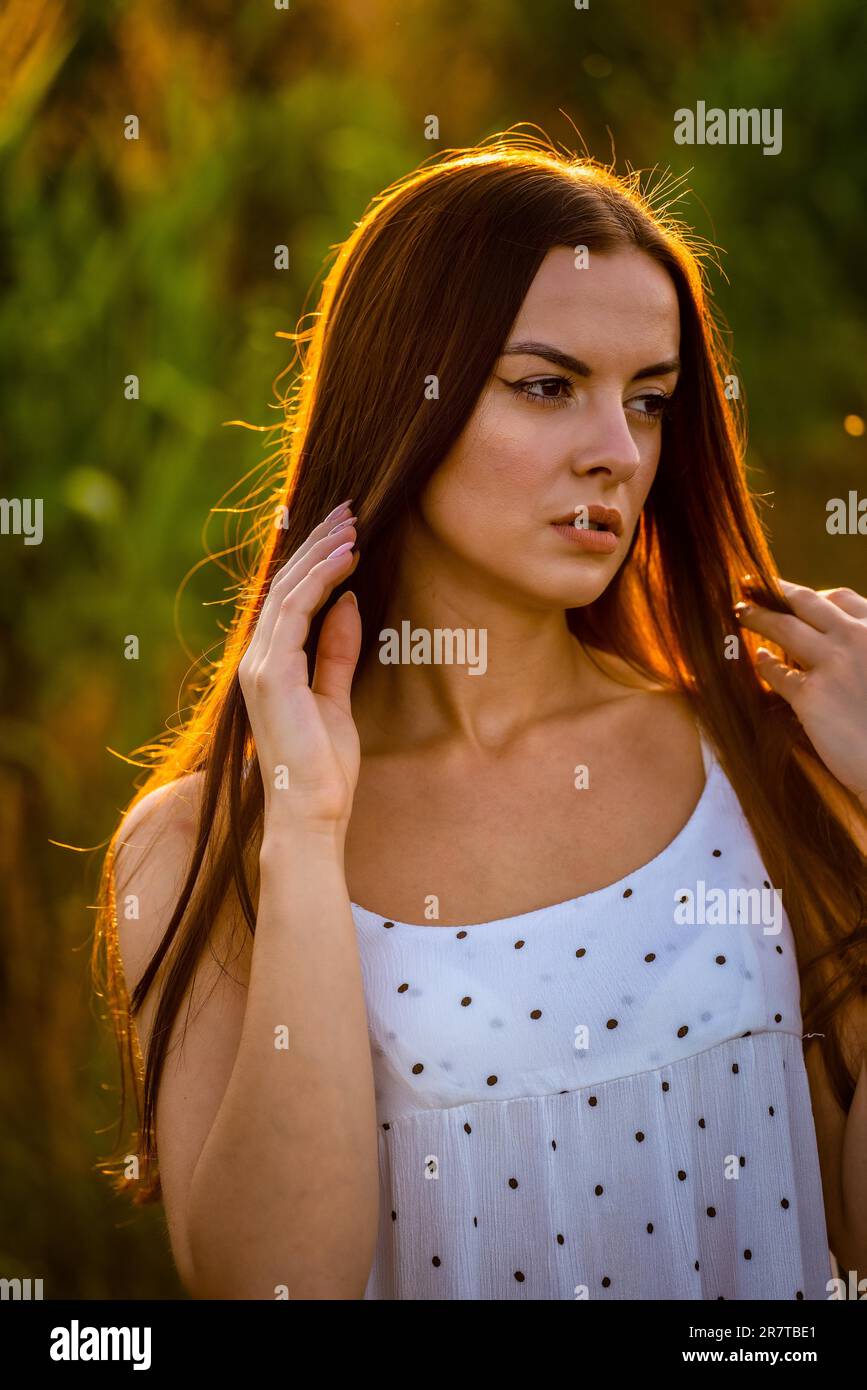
[[547, 390], [557, 390], [656, 406]]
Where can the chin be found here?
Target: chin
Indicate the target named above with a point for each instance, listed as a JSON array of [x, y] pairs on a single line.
[[559, 596]]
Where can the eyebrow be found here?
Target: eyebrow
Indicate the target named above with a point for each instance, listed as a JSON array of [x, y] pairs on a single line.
[[578, 368]]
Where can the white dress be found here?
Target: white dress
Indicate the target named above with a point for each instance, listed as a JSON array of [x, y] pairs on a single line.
[[596, 1099]]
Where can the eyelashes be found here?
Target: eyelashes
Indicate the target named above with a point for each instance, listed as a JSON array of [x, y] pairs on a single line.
[[657, 404]]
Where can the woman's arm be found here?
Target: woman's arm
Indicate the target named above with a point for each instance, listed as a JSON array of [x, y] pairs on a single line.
[[842, 1142], [286, 1189], [826, 635], [267, 1153], [842, 1137], [266, 1118]]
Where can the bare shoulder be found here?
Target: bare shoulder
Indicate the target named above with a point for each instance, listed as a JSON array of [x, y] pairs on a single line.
[[619, 684], [618, 678], [170, 810], [152, 857], [658, 724], [665, 735]]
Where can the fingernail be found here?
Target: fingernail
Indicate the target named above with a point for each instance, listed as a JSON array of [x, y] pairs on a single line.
[[740, 610], [338, 509], [340, 525], [350, 595], [341, 550]]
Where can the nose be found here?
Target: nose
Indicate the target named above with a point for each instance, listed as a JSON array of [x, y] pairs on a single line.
[[603, 442]]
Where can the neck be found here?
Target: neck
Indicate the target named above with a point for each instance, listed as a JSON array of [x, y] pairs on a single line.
[[520, 665]]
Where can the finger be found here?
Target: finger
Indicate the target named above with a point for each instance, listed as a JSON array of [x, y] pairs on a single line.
[[316, 547], [299, 607], [333, 518], [847, 599], [294, 571], [296, 566], [812, 608], [780, 677], [337, 516], [337, 652], [795, 636], [328, 526]]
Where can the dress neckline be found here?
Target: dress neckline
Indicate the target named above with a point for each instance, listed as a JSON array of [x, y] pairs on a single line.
[[711, 771]]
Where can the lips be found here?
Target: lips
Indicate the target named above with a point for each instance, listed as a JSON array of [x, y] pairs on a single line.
[[605, 518]]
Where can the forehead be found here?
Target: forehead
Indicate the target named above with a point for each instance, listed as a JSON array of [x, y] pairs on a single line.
[[624, 301]]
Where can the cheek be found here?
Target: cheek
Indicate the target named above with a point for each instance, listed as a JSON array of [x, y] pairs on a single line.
[[515, 454], [646, 471], [499, 458]]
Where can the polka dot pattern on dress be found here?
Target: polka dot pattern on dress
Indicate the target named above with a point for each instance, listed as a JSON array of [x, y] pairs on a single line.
[[648, 1046]]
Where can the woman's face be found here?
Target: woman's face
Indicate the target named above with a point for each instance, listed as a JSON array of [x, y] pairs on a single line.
[[569, 419]]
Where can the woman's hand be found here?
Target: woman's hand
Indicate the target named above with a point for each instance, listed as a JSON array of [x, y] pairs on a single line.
[[306, 741], [827, 637]]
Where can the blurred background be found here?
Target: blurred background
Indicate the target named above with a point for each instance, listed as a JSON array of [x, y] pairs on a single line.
[[262, 126]]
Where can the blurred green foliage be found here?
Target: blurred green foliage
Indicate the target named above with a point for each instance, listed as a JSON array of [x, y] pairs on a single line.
[[156, 257]]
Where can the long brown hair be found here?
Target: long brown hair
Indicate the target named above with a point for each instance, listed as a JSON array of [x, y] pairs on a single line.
[[430, 282]]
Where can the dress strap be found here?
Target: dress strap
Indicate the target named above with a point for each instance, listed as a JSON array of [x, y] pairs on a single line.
[[707, 754]]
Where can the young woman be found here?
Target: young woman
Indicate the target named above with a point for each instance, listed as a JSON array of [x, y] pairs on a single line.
[[472, 926]]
